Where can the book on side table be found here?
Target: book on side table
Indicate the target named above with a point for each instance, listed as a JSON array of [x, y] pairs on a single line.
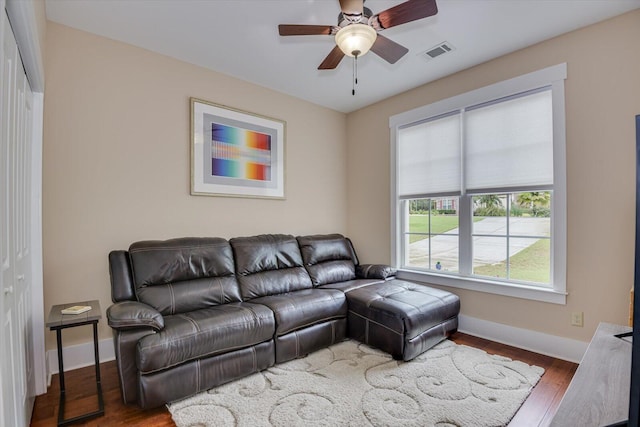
[[75, 309]]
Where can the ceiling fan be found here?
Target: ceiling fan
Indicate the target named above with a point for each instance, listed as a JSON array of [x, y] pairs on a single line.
[[358, 30]]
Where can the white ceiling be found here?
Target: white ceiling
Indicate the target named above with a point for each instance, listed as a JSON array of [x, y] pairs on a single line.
[[240, 38]]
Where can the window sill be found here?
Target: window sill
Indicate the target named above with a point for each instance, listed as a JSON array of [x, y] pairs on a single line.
[[488, 286]]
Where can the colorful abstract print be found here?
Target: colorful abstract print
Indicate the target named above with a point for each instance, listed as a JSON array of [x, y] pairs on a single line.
[[240, 153]]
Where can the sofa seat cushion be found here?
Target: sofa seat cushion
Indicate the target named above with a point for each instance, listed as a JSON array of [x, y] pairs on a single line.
[[350, 285], [406, 308], [204, 333], [402, 318], [299, 309]]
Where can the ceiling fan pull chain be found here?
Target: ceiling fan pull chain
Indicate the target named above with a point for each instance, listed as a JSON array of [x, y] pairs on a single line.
[[353, 78], [356, 69], [355, 74]]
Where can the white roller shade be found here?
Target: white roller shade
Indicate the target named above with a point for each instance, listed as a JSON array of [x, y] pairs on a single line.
[[429, 158], [510, 143]]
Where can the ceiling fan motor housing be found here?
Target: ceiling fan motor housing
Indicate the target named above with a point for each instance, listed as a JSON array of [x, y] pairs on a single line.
[[362, 18]]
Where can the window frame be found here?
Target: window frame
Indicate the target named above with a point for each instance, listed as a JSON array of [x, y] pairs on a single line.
[[552, 77]]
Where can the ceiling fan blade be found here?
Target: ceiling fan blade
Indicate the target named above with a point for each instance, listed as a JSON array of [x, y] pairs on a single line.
[[332, 60], [408, 11], [304, 30], [352, 7], [388, 50]]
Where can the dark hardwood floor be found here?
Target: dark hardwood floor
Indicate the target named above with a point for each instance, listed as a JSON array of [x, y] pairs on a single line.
[[537, 410]]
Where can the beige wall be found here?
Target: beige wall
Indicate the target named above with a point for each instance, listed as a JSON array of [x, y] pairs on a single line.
[[116, 166], [117, 162], [602, 98]]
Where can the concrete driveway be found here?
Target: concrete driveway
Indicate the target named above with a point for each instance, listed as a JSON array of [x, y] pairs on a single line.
[[489, 243]]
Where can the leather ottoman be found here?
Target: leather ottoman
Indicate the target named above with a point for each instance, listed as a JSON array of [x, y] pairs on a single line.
[[402, 318]]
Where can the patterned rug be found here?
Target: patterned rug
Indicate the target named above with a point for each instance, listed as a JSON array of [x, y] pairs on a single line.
[[352, 384]]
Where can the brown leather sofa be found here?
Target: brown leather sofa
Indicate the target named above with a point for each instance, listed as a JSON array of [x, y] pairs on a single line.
[[193, 313]]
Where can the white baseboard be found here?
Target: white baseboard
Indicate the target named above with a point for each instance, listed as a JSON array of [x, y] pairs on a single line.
[[81, 355], [78, 356], [526, 339]]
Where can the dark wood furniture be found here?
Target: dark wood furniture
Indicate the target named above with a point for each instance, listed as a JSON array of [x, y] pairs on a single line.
[[57, 322], [599, 392]]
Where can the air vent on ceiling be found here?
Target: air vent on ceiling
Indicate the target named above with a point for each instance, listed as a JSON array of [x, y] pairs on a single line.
[[437, 50]]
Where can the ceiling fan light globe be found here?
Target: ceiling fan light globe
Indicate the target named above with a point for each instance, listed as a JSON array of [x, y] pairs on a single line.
[[356, 39]]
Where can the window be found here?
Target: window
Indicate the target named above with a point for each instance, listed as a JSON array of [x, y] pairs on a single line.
[[479, 189], [431, 237], [511, 236]]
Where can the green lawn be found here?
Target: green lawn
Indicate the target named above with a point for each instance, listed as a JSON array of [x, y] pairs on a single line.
[[530, 264], [439, 224]]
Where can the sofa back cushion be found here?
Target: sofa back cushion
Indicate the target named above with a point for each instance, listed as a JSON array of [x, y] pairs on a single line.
[[182, 275], [269, 264], [328, 258]]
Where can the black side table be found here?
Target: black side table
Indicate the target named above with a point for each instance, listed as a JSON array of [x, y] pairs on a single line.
[[57, 322]]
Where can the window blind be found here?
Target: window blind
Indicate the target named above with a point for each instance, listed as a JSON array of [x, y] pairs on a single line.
[[509, 143], [429, 158]]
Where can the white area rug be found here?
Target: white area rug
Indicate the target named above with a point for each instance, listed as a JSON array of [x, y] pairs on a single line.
[[351, 384]]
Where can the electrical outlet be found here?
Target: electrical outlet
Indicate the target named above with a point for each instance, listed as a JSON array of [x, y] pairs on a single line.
[[577, 318]]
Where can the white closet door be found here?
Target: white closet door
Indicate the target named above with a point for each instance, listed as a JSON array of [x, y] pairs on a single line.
[[15, 213]]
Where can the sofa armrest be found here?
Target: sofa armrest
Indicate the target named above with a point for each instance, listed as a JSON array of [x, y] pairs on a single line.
[[374, 271], [133, 314]]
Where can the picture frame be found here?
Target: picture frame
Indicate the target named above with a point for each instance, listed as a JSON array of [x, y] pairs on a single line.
[[236, 153]]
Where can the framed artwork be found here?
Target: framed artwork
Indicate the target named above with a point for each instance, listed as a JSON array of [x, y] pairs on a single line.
[[235, 153]]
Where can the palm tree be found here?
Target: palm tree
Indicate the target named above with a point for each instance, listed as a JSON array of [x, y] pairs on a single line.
[[489, 205], [489, 201], [534, 198]]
